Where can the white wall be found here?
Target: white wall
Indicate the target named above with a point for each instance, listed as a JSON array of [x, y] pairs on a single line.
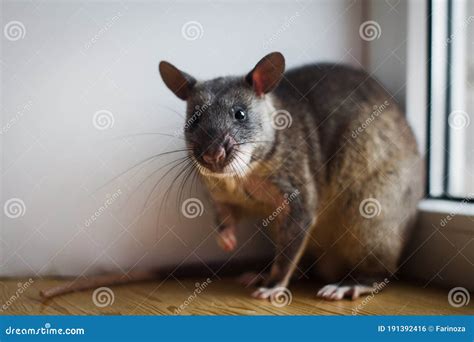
[[387, 53], [398, 57], [77, 58]]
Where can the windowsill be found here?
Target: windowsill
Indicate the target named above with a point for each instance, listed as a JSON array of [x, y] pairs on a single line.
[[441, 249], [447, 207], [453, 216]]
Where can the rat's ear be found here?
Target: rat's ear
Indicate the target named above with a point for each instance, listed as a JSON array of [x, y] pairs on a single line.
[[267, 73], [179, 82]]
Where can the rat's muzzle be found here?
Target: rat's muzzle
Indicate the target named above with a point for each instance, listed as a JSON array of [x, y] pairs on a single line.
[[218, 154]]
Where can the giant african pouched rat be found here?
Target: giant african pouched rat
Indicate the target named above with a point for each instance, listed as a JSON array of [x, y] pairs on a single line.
[[322, 151], [324, 144]]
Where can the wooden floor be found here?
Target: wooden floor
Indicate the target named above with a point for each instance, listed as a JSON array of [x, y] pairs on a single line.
[[223, 297]]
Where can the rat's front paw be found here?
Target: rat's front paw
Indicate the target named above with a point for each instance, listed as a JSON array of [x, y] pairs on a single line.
[[226, 239]]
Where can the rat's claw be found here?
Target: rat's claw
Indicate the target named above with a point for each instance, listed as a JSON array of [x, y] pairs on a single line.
[[263, 293], [227, 240], [333, 292], [336, 292]]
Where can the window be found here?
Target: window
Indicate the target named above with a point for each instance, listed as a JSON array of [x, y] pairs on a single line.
[[439, 83], [451, 100]]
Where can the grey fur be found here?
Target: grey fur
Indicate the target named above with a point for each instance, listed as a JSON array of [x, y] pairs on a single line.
[[348, 143]]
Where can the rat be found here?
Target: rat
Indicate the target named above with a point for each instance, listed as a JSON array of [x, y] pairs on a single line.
[[324, 151]]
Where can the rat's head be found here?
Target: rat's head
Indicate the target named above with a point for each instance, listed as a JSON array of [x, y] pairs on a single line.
[[228, 119]]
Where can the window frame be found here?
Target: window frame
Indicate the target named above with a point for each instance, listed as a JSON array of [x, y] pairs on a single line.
[[440, 249], [442, 48]]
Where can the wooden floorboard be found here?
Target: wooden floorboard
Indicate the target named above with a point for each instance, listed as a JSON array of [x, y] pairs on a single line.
[[222, 297]]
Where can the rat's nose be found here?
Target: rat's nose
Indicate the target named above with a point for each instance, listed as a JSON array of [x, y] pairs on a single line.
[[216, 157]]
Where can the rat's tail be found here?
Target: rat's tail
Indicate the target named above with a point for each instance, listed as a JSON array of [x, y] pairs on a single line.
[[195, 270], [98, 281]]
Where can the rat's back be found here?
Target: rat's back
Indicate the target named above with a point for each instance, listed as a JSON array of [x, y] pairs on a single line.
[[344, 105], [360, 138]]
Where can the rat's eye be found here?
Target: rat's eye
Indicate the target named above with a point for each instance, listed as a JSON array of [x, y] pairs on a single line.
[[240, 115]]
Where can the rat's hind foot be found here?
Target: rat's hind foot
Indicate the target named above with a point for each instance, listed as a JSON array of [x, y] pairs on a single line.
[[272, 293], [263, 293], [251, 279], [339, 291]]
